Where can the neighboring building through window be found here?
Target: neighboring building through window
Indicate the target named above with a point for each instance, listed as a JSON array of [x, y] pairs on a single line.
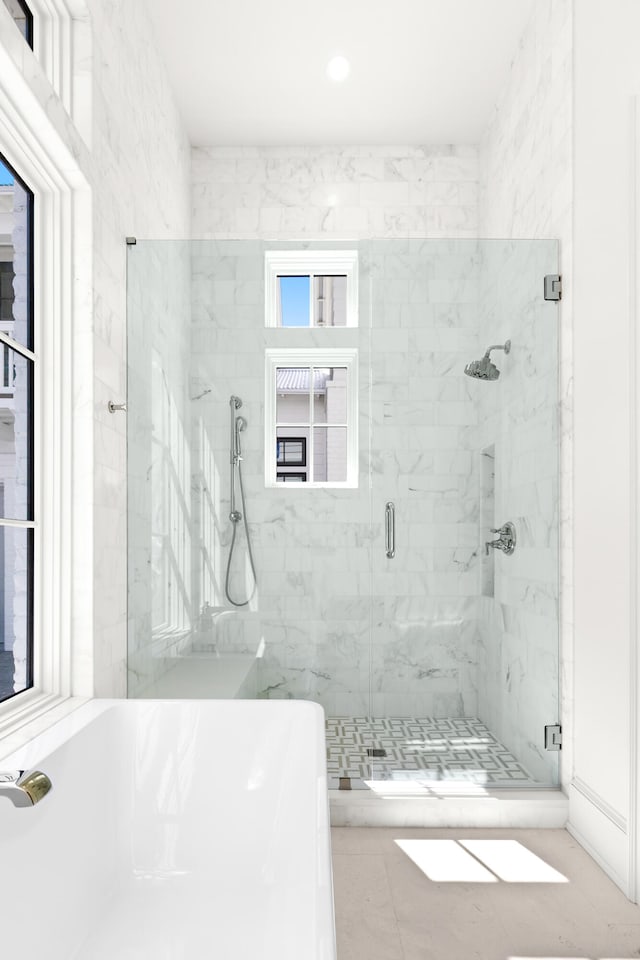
[[311, 417], [17, 363], [22, 17]]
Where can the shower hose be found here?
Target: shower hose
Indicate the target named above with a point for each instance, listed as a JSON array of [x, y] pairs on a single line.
[[240, 603]]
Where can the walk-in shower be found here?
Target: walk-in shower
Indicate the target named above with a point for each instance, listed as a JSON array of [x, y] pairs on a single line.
[[444, 655]]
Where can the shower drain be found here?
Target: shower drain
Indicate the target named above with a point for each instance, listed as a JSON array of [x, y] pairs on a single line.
[[376, 752]]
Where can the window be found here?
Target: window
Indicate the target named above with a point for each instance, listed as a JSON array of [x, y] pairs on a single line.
[[292, 452], [311, 418], [16, 434], [22, 17], [311, 288]]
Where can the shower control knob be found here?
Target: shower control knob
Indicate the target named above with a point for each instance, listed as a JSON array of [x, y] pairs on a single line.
[[506, 541]]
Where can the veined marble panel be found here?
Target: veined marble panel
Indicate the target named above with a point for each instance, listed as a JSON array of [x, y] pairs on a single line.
[[360, 192]]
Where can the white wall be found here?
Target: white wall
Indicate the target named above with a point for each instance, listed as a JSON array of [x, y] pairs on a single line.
[[607, 78]]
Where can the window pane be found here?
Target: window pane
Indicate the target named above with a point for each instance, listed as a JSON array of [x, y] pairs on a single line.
[[291, 451], [16, 566], [16, 430], [16, 203], [291, 478], [330, 454], [330, 301], [22, 18], [292, 394], [292, 447], [294, 301], [330, 395]]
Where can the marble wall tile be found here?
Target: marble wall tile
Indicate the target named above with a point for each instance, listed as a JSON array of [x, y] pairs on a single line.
[[320, 559], [140, 163], [357, 192]]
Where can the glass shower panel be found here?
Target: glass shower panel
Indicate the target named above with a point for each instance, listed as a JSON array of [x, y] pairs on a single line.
[[438, 664], [197, 338], [464, 669], [159, 460]]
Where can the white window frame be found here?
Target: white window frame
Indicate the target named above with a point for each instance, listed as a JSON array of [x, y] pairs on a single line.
[[310, 263], [63, 432], [311, 358], [61, 36]]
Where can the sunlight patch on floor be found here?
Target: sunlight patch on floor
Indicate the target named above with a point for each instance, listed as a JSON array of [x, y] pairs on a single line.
[[445, 861], [513, 862], [479, 861]]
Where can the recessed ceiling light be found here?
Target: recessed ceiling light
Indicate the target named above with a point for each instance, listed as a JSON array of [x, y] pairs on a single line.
[[338, 69]]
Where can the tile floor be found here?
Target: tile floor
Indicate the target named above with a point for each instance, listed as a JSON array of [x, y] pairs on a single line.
[[388, 909], [419, 748]]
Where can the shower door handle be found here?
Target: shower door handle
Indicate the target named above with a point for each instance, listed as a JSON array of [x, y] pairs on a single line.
[[390, 529]]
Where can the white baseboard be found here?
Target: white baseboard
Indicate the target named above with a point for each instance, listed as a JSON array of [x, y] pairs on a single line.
[[601, 830]]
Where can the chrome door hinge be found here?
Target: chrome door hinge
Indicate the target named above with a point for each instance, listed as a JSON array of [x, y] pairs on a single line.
[[553, 286], [553, 737]]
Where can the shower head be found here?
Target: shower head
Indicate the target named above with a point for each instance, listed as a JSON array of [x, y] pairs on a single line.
[[485, 369], [482, 369], [240, 424], [235, 402]]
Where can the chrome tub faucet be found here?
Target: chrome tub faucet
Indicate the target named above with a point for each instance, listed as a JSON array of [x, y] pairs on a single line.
[[23, 787]]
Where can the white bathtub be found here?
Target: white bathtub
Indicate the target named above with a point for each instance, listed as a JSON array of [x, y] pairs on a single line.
[[174, 829]]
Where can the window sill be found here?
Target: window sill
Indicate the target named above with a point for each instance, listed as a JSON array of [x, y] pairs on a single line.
[[313, 486], [29, 714]]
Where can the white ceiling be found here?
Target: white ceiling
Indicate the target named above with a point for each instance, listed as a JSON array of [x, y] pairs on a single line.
[[252, 72]]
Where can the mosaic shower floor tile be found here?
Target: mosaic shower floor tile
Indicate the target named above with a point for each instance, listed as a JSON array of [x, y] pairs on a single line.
[[419, 749]]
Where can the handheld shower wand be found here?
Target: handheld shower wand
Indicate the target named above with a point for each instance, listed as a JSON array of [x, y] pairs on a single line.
[[237, 424]]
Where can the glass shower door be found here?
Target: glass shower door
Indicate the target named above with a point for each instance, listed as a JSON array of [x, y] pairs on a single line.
[[464, 636]]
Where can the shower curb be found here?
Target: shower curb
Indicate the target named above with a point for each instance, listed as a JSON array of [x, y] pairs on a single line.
[[498, 808]]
